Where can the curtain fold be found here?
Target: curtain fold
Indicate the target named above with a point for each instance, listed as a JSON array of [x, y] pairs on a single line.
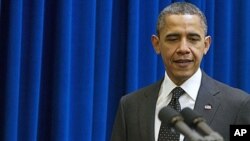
[[31, 64], [242, 46], [102, 67], [64, 64], [13, 68], [83, 70]]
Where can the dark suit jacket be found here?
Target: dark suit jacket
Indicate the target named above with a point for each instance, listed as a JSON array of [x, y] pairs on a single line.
[[136, 113]]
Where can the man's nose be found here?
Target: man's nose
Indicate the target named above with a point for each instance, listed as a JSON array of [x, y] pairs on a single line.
[[184, 47]]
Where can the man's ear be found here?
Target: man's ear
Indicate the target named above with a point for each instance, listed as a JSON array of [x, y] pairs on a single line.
[[155, 42], [208, 41]]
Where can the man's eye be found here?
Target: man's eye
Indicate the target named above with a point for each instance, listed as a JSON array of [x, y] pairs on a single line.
[[172, 39], [194, 39]]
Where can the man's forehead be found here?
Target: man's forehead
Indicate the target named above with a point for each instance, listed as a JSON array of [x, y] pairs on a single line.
[[183, 21], [182, 18]]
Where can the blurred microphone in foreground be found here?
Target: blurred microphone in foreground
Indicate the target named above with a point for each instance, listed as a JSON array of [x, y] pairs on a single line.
[[172, 118], [196, 121]]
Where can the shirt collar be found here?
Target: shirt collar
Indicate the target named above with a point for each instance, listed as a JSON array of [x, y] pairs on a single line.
[[190, 86]]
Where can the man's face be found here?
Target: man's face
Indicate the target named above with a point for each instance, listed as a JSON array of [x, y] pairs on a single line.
[[182, 44]]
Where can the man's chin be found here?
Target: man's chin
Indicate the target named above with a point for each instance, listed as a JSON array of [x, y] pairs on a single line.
[[181, 77]]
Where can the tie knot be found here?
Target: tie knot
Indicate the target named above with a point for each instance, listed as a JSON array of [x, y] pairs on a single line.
[[177, 92]]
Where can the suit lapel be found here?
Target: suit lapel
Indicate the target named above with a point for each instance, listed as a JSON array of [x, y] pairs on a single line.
[[207, 103], [146, 112]]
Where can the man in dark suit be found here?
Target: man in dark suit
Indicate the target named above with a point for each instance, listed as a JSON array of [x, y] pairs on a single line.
[[181, 40]]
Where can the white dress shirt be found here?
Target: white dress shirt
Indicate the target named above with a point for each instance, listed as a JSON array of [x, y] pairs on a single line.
[[190, 86]]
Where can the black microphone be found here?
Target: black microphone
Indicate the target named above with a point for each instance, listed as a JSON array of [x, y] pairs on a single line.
[[172, 118], [195, 120]]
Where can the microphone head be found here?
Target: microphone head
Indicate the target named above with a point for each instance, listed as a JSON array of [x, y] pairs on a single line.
[[191, 117], [169, 116]]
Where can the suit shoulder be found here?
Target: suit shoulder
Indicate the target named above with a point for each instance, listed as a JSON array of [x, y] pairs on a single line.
[[225, 92], [231, 92], [149, 90]]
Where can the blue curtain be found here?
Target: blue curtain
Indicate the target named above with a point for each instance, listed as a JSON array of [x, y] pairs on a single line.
[[64, 64]]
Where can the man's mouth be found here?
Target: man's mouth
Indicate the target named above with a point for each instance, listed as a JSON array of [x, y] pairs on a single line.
[[183, 62]]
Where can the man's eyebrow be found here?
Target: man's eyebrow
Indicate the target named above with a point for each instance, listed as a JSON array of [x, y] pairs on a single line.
[[172, 34], [191, 34], [194, 35]]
